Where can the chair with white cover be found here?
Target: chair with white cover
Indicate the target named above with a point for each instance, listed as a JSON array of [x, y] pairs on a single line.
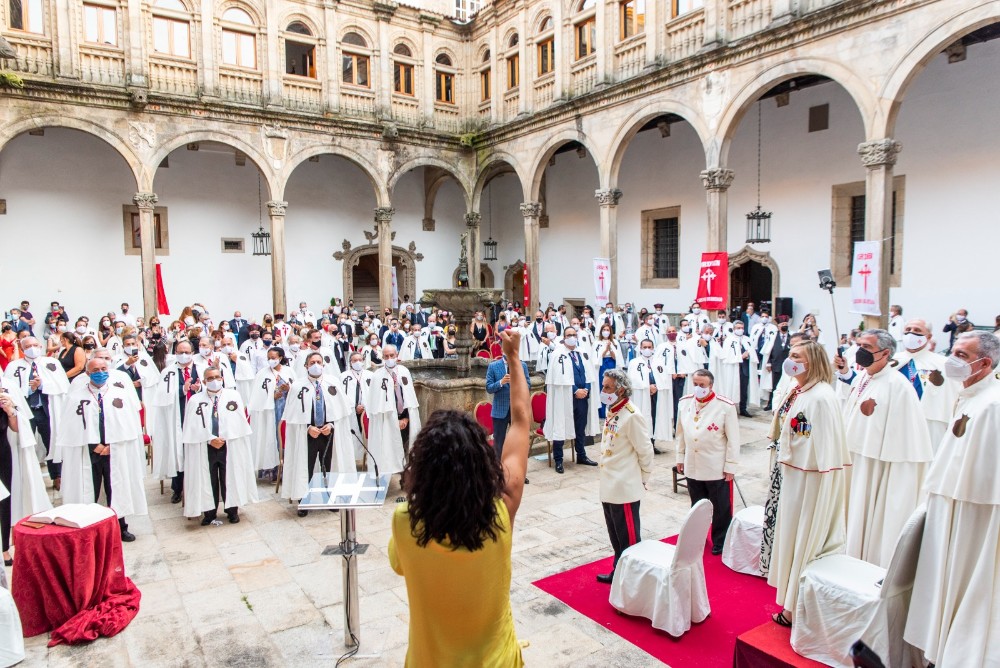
[[741, 551], [664, 583], [841, 601]]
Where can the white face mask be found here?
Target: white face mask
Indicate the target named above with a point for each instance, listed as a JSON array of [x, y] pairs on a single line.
[[960, 318], [957, 369], [570, 342], [696, 310], [189, 321], [390, 363], [214, 385], [227, 350], [183, 358], [357, 366], [605, 334], [765, 319], [294, 347], [316, 370], [646, 352], [204, 352], [738, 332], [131, 350], [701, 392], [707, 337], [33, 352], [273, 363], [81, 330], [914, 341], [607, 398], [792, 368], [63, 329], [686, 329]]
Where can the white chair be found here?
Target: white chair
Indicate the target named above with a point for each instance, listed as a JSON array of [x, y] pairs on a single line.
[[741, 551], [664, 583], [840, 602]]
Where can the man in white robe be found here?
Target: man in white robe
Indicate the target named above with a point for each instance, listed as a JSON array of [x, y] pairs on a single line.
[[743, 350], [652, 392], [727, 380], [240, 366], [570, 406], [101, 442], [356, 382], [550, 339], [896, 322], [314, 344], [891, 448], [179, 381], [697, 318], [207, 358], [953, 608], [27, 490], [268, 391], [585, 336], [647, 331], [529, 344], [43, 383], [393, 414], [255, 349], [705, 352], [217, 463], [136, 363], [924, 369], [415, 346]]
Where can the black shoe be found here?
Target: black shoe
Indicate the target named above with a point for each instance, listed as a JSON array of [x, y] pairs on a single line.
[[303, 513], [657, 451], [8, 562], [233, 518], [127, 537], [717, 550], [586, 461], [205, 521], [559, 468], [746, 414], [526, 481], [606, 578], [175, 497], [767, 408]]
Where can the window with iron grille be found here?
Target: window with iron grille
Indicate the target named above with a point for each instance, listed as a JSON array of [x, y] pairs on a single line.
[[665, 250]]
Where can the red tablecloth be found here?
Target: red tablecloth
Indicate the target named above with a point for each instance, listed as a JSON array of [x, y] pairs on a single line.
[[72, 581]]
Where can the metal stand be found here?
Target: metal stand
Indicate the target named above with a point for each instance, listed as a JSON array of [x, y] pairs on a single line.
[[352, 610]]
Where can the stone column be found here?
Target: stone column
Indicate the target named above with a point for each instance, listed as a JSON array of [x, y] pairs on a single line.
[[608, 200], [146, 202], [277, 210], [717, 181], [383, 224], [879, 157], [472, 251], [531, 211]]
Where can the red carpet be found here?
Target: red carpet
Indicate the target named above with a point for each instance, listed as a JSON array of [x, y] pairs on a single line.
[[739, 603], [767, 646]]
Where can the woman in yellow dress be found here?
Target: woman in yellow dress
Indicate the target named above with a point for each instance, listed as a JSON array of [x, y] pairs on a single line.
[[451, 540]]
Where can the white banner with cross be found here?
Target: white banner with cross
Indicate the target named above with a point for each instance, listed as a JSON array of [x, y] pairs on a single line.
[[865, 278], [602, 280]]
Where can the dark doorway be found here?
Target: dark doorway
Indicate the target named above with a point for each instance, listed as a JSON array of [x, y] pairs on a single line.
[[750, 282], [365, 279]]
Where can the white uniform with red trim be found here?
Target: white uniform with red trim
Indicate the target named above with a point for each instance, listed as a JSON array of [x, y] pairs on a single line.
[[708, 437], [626, 459]]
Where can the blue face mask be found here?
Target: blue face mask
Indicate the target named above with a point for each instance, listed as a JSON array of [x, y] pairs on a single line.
[[98, 378]]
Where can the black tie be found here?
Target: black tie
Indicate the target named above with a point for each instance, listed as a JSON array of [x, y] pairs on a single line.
[[215, 417], [100, 418]]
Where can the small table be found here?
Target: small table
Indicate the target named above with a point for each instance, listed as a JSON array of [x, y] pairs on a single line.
[[347, 492], [72, 582]]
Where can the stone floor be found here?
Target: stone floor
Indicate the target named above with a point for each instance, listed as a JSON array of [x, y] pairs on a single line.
[[260, 593]]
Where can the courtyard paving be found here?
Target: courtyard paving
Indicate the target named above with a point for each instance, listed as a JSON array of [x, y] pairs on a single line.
[[261, 593]]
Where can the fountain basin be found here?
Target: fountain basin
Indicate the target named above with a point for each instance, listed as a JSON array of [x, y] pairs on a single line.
[[440, 385]]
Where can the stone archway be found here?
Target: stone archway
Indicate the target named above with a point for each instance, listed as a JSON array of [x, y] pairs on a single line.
[[746, 256], [404, 259], [486, 277], [513, 282]]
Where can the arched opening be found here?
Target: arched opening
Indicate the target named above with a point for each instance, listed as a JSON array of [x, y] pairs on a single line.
[[486, 278], [361, 275], [753, 277], [513, 282]]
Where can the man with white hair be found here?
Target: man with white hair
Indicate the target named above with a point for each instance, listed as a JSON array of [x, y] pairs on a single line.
[[393, 414], [550, 339], [891, 448], [570, 409], [925, 371], [955, 596], [651, 380], [207, 358], [415, 346], [179, 381], [626, 464]]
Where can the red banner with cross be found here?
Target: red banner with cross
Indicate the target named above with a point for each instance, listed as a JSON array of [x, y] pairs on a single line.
[[713, 281]]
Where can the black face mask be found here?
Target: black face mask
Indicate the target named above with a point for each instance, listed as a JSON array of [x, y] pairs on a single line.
[[864, 358], [316, 344], [538, 319], [267, 342], [254, 335]]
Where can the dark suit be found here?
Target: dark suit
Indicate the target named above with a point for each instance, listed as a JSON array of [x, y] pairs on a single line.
[[419, 318], [779, 353], [500, 411]]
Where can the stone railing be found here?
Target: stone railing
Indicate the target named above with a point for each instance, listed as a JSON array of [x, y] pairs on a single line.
[[485, 108], [510, 104], [241, 87], [302, 94], [405, 109], [545, 87], [630, 56], [447, 117], [357, 102], [745, 17], [685, 35], [173, 77], [102, 66], [34, 55], [584, 76]]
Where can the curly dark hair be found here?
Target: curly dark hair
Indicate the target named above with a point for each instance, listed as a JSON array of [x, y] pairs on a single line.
[[453, 480]]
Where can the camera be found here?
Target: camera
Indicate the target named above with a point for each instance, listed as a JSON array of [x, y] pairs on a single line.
[[826, 281]]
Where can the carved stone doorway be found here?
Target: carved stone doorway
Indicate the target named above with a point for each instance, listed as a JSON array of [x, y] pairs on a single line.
[[753, 277], [360, 271], [513, 282]]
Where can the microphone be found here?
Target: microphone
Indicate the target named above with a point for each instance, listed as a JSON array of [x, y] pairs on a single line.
[[369, 453]]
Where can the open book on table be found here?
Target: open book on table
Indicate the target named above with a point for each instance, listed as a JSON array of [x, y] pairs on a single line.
[[74, 515]]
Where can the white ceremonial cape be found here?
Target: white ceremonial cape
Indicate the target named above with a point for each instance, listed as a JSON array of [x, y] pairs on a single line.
[[55, 385], [331, 369], [638, 372], [645, 333], [220, 362], [27, 490], [114, 346], [264, 439], [953, 609], [559, 395], [697, 321], [544, 353], [385, 442], [122, 431], [586, 339], [939, 393], [408, 350], [734, 347], [698, 358], [241, 480], [356, 390], [727, 380], [615, 347], [116, 377], [298, 417], [529, 344], [811, 506], [149, 375], [244, 375], [163, 422], [888, 438], [768, 334]]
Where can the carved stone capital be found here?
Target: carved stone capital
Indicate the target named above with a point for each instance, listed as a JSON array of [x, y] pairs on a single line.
[[879, 152], [717, 178], [473, 218], [608, 197], [145, 200], [383, 214], [531, 209], [276, 208]]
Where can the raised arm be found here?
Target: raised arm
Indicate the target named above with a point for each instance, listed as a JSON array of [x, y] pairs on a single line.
[[515, 447]]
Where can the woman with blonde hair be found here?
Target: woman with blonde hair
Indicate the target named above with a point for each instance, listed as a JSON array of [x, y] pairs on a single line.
[[807, 503]]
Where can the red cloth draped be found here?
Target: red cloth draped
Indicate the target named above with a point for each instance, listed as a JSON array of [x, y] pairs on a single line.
[[161, 295], [72, 582]]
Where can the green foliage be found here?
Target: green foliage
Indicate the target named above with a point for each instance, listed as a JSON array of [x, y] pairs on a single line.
[[11, 80]]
